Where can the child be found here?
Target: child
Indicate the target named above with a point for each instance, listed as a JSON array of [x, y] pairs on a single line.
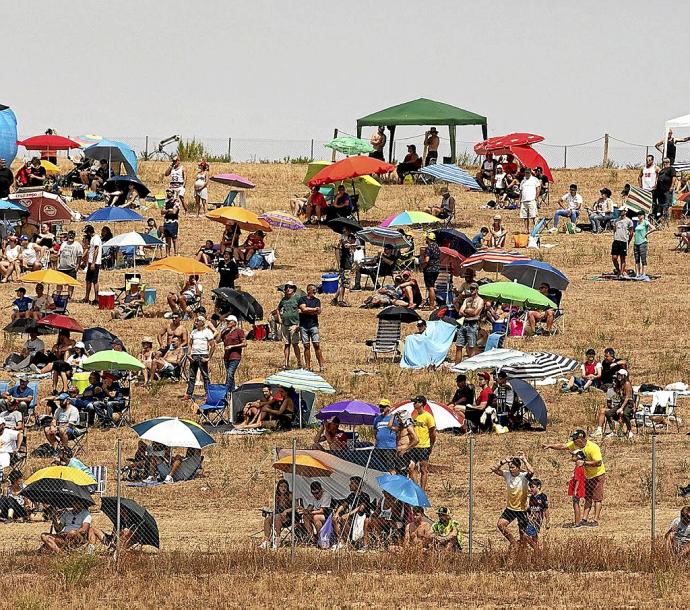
[[480, 240], [576, 487], [537, 511], [21, 305]]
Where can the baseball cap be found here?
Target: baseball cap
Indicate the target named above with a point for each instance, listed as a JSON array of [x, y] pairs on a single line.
[[622, 373], [231, 318], [80, 344], [147, 339], [290, 284], [579, 433], [89, 229], [384, 402], [419, 398], [474, 285], [201, 318], [484, 375], [443, 510], [135, 280], [431, 236]]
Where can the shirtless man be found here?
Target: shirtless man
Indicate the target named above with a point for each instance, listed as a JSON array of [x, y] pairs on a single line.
[[406, 440], [281, 410], [431, 141], [331, 434], [253, 408], [174, 328], [165, 364], [418, 533]]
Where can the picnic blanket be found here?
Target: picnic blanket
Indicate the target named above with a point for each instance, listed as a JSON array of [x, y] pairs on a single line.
[[623, 278], [429, 348], [242, 432]]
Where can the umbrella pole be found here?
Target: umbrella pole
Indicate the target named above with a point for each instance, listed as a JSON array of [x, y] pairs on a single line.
[[118, 492], [273, 524], [299, 407], [470, 508], [359, 489], [294, 498]]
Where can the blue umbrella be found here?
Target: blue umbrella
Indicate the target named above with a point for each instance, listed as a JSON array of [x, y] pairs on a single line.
[[403, 489], [380, 236], [113, 151], [451, 174], [121, 183], [113, 214], [532, 273], [455, 240], [8, 134], [531, 399], [350, 412]]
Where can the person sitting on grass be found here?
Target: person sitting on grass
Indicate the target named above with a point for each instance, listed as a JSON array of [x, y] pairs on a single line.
[[207, 253], [13, 505], [446, 207], [446, 531], [275, 521], [255, 241], [418, 533], [481, 239], [678, 535], [386, 524], [498, 232], [356, 504], [72, 528], [283, 414], [169, 470], [331, 434], [253, 408], [590, 374]]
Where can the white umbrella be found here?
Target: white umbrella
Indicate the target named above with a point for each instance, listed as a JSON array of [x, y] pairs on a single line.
[[134, 240], [174, 432], [493, 359], [445, 420], [302, 381], [543, 366]]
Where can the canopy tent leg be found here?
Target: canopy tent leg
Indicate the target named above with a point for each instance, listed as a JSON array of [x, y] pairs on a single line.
[[391, 129], [452, 132]]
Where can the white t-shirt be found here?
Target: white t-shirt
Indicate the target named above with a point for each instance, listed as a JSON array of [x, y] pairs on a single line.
[[528, 188], [12, 419], [12, 253], [8, 441], [71, 521], [67, 416], [649, 177], [29, 255], [199, 340], [572, 201], [682, 533], [323, 502], [34, 345], [93, 244], [500, 181], [69, 255]]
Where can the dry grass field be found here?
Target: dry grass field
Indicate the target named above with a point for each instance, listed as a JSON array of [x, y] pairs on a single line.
[[207, 557]]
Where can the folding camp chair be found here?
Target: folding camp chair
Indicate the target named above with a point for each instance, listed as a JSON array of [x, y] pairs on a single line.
[[77, 444], [387, 341], [660, 412], [61, 302], [444, 288], [212, 411], [100, 474], [494, 341]]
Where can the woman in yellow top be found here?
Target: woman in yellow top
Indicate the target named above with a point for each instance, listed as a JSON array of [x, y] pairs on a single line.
[[425, 428]]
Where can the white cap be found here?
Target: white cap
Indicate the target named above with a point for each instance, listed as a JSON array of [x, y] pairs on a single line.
[[80, 344], [134, 280], [231, 318], [622, 372]]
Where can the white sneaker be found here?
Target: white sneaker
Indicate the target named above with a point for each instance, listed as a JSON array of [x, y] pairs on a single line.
[[630, 435], [168, 479], [264, 545], [149, 479], [596, 434], [610, 434]]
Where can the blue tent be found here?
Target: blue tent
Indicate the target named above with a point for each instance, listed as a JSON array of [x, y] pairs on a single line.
[[8, 134], [114, 152], [452, 174], [113, 214]]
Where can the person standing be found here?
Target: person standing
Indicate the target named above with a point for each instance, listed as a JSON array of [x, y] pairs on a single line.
[[345, 252], [309, 310], [70, 255], [93, 263], [648, 175], [665, 185], [6, 179], [595, 473], [203, 344], [201, 188], [425, 429], [385, 437], [622, 236], [234, 342], [670, 146], [530, 189], [288, 318], [171, 221], [431, 267], [470, 310], [431, 142], [378, 141], [177, 179], [227, 269], [517, 477], [406, 440], [641, 243]]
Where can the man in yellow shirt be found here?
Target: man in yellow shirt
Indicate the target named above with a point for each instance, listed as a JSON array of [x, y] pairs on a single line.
[[595, 473], [425, 428], [517, 477]]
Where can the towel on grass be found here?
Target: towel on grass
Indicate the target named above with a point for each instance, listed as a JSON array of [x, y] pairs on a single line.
[[429, 348]]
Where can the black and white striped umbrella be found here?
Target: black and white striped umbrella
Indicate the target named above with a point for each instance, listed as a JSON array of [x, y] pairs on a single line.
[[545, 365]]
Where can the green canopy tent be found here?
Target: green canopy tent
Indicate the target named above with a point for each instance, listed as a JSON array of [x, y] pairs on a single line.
[[422, 112]]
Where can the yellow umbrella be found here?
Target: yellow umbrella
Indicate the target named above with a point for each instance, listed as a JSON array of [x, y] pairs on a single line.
[[244, 219], [51, 168], [180, 264], [306, 466], [49, 276], [66, 473]]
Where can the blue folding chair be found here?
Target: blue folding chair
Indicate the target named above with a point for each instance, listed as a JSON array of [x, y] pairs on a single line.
[[212, 411]]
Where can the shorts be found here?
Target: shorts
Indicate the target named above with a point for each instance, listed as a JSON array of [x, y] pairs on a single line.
[[71, 433], [71, 272], [167, 368], [178, 189], [619, 248], [576, 500], [400, 463], [419, 454], [290, 337], [528, 209], [310, 335], [640, 252], [344, 277], [430, 278], [594, 489], [284, 422], [92, 274], [511, 515], [61, 366], [171, 229], [467, 335]]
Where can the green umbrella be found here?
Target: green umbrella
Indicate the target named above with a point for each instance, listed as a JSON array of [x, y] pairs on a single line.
[[366, 186], [111, 360], [349, 145], [516, 294]]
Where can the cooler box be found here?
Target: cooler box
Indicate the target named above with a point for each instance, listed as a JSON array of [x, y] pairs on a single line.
[[106, 300], [80, 380], [329, 283]]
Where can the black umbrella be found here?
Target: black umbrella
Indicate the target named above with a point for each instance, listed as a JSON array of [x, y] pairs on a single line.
[[456, 240], [98, 339], [531, 399], [56, 492], [25, 325], [121, 183], [398, 313], [340, 224], [134, 517], [241, 304]]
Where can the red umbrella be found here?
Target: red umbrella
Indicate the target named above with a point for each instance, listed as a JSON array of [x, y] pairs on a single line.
[[452, 260], [56, 320], [502, 144], [532, 159], [351, 167], [43, 206], [48, 142]]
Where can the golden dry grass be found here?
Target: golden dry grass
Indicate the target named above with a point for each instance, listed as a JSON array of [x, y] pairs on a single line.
[[219, 511]]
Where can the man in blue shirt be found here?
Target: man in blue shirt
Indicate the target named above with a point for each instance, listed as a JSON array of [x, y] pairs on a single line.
[[21, 393], [386, 437], [21, 305]]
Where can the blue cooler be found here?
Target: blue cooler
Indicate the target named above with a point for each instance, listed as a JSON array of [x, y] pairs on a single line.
[[329, 283], [149, 296]]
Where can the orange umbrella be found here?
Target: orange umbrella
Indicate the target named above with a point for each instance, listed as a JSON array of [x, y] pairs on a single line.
[[305, 466], [180, 264], [351, 167], [242, 218]]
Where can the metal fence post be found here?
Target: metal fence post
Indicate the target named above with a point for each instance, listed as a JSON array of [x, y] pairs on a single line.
[[653, 494], [311, 153], [335, 135], [229, 149], [146, 149], [118, 494], [565, 157], [294, 497], [606, 151], [470, 511]]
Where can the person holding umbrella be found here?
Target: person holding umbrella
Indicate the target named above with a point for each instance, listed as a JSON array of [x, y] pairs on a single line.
[[73, 528]]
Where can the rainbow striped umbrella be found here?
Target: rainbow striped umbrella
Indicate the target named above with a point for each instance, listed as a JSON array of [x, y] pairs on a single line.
[[282, 220], [493, 259], [409, 217], [87, 139]]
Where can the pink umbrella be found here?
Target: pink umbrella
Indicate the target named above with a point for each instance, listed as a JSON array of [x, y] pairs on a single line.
[[234, 180], [452, 260]]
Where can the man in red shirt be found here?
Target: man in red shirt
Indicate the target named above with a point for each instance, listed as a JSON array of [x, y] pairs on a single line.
[[509, 165], [473, 414], [316, 204], [234, 340]]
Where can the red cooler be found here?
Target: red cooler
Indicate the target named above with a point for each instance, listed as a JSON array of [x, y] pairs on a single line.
[[106, 300]]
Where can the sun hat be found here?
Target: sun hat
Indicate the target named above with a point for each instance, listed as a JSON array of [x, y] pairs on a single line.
[[147, 339], [231, 318], [80, 344], [622, 373]]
